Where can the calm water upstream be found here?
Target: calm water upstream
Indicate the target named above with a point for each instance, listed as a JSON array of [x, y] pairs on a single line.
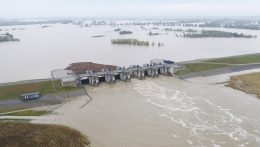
[[44, 49]]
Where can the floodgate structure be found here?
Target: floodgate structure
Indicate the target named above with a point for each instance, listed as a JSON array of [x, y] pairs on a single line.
[[70, 78]]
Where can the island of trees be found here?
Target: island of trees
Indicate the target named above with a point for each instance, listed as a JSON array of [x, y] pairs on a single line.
[[135, 42], [125, 32], [215, 34], [130, 42], [237, 24], [98, 36], [117, 30], [7, 37], [153, 34]]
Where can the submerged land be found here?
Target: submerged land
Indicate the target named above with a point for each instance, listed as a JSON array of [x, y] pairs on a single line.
[[7, 37], [214, 34], [134, 42]]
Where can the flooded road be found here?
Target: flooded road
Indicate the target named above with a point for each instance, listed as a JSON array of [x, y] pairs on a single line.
[[44, 49], [164, 112]]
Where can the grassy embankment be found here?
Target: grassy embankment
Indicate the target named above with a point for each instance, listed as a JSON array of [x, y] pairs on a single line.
[[248, 83], [215, 34], [210, 64], [28, 113], [13, 91], [38, 135]]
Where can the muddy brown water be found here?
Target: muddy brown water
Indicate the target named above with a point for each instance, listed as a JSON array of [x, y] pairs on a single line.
[[164, 112]]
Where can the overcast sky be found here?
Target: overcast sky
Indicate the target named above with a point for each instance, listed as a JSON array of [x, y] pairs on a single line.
[[128, 8]]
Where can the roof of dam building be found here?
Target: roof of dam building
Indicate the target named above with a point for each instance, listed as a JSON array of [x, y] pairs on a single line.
[[161, 61], [61, 73], [71, 79], [82, 67]]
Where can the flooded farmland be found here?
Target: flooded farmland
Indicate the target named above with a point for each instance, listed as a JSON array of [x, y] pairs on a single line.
[[44, 49]]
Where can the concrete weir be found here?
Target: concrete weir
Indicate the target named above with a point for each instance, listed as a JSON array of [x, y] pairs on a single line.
[[156, 67]]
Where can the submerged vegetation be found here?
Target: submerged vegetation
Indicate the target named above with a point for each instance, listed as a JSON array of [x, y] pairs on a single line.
[[135, 42], [117, 30], [125, 32], [192, 33], [215, 34], [153, 34], [248, 83], [39, 135], [229, 23], [7, 37], [130, 42], [98, 36]]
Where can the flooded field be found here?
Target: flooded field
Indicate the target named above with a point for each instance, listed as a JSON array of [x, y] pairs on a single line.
[[163, 112], [44, 49]]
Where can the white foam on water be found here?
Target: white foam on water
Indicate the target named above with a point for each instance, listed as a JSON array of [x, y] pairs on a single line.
[[189, 142], [206, 121]]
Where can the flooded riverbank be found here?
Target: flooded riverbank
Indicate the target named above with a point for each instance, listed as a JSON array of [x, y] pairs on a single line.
[[163, 112]]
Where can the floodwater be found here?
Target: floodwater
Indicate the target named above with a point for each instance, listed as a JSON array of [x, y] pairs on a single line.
[[163, 112], [44, 49]]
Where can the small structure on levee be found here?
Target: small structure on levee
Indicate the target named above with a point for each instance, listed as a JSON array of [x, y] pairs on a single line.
[[30, 96], [90, 73]]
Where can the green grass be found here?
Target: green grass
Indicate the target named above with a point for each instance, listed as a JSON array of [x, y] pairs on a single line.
[[28, 113], [243, 59], [39, 135], [199, 67], [14, 91], [9, 109]]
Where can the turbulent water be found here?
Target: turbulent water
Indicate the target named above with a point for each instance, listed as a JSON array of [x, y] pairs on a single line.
[[164, 112], [44, 49], [204, 122]]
